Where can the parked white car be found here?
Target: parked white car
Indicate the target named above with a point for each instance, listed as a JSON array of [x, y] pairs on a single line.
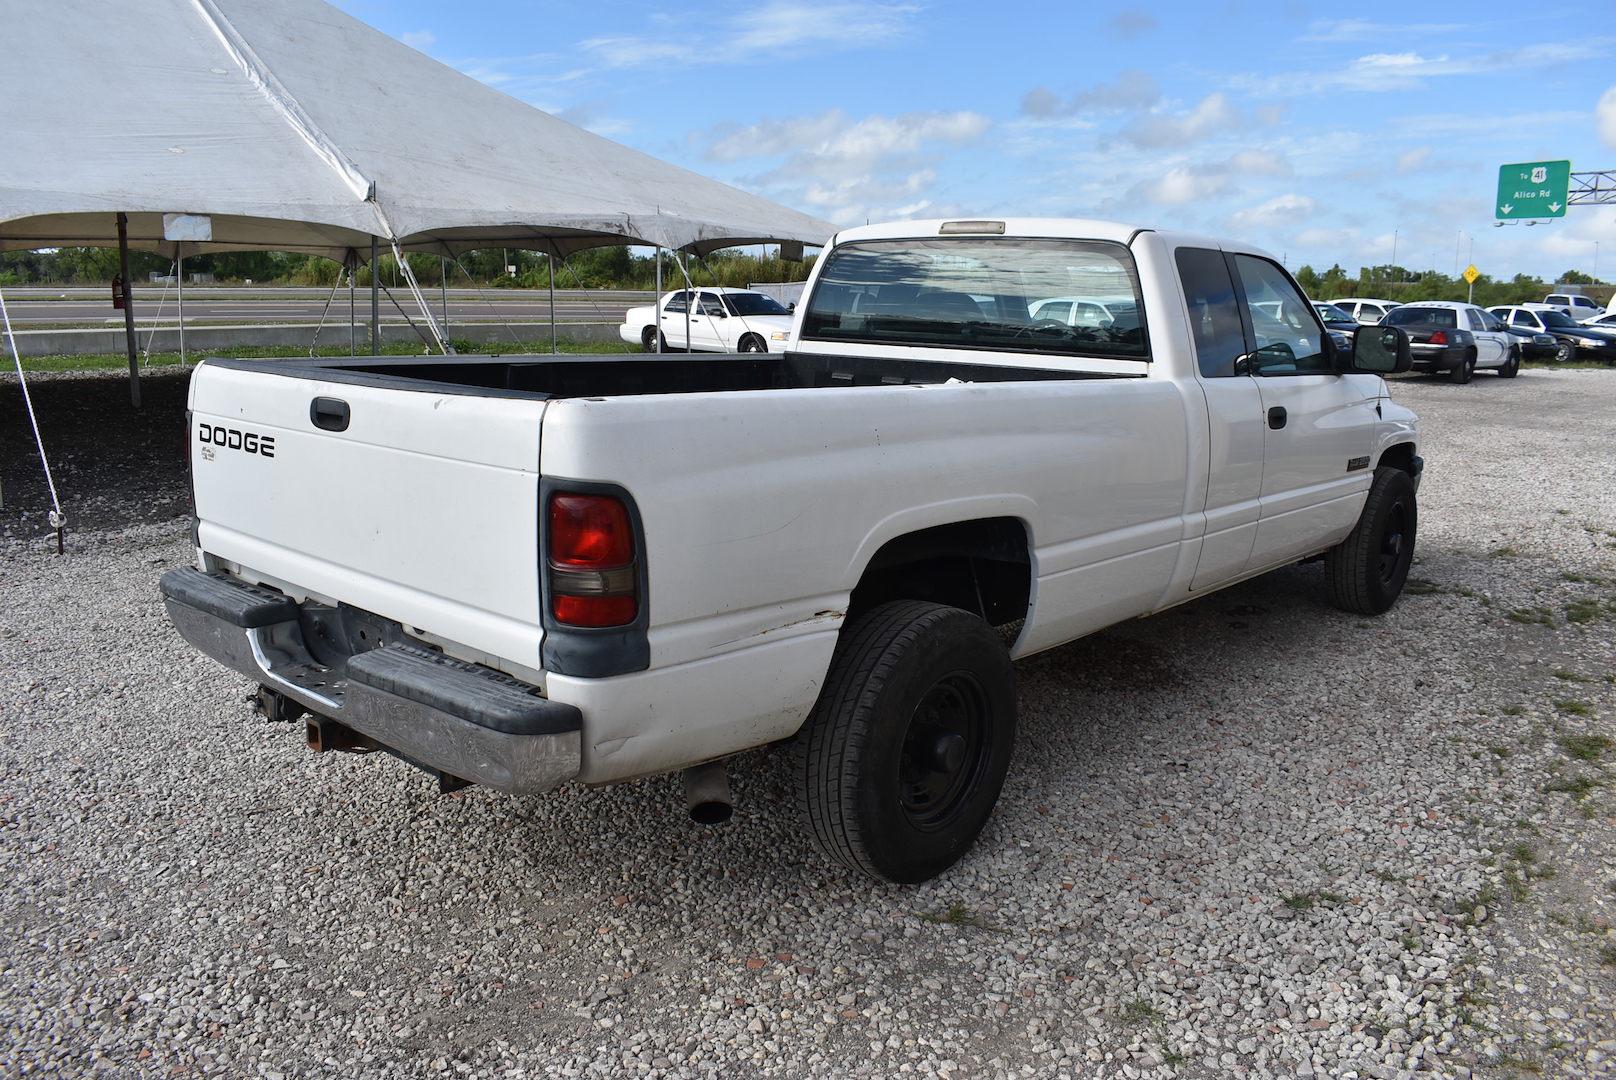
[[1100, 312], [530, 571], [1368, 312], [1579, 307], [722, 320], [1606, 321]]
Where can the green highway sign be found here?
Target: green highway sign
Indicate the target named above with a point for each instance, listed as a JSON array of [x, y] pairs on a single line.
[[1532, 189]]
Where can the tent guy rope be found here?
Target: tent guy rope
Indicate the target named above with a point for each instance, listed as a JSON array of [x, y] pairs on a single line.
[[58, 520]]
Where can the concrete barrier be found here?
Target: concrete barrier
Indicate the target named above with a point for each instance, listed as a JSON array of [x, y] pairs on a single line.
[[528, 337]]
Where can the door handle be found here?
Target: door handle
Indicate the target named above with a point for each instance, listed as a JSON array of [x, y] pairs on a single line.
[[1276, 417], [329, 413]]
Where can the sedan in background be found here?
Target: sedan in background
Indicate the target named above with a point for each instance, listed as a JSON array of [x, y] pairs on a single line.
[[1606, 321], [1366, 312], [1342, 327], [721, 320], [1453, 337], [1574, 340]]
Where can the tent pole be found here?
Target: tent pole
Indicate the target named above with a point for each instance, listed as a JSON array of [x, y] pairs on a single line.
[[690, 301], [350, 261], [375, 299], [443, 292], [656, 303], [549, 262], [179, 286], [128, 308]]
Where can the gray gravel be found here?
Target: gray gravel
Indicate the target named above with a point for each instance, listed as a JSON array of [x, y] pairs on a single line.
[[1250, 837]]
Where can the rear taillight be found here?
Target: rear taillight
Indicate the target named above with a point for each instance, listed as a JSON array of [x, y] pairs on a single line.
[[1439, 338], [593, 578]]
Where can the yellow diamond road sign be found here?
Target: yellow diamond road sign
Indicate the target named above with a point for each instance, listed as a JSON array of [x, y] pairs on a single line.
[[1471, 273]]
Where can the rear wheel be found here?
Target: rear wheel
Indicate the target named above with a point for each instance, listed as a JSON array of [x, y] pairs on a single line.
[[1512, 365], [1366, 571], [1466, 368], [901, 762], [648, 340]]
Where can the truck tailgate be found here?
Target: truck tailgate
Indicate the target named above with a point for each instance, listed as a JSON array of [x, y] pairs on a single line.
[[422, 509]]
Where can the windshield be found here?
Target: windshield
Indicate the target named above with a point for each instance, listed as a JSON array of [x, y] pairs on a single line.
[[1331, 313], [1441, 318], [752, 303], [1063, 297], [1559, 320]]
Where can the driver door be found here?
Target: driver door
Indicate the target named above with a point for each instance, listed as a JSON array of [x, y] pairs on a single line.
[[1319, 424]]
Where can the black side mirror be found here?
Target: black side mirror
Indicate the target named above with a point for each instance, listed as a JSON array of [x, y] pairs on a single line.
[[1381, 350]]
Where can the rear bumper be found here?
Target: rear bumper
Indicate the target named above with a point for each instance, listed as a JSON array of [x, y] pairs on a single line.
[[1438, 357], [457, 718]]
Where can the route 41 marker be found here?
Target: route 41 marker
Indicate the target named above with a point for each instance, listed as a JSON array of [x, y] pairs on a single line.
[[1532, 189]]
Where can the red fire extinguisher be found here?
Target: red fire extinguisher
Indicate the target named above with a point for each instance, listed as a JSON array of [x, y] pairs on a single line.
[[117, 293]]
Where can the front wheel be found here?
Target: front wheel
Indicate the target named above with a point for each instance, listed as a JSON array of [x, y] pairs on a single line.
[[751, 343], [1366, 571], [1512, 365], [902, 759], [1565, 352]]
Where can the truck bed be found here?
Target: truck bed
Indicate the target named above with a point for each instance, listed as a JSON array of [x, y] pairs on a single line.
[[547, 376]]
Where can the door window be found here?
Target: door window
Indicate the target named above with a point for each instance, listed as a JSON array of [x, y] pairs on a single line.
[[1286, 336], [711, 305], [1214, 314], [1525, 318], [1473, 320], [677, 302]]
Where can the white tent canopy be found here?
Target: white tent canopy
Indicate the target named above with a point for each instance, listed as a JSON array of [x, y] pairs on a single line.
[[296, 127]]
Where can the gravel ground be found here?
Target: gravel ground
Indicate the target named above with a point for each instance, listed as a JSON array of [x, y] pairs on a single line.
[[1250, 837]]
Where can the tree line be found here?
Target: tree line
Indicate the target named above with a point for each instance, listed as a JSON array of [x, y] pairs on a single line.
[[595, 268], [1391, 282]]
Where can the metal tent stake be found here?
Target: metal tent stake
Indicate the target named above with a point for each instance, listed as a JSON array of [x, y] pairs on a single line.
[[128, 308]]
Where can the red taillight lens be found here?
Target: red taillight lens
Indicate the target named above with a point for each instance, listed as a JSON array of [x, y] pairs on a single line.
[[593, 582], [1439, 338], [590, 532]]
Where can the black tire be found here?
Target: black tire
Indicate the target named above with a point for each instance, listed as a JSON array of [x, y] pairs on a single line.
[[1466, 368], [751, 343], [1366, 571], [901, 762], [1565, 352], [648, 338], [1512, 366]]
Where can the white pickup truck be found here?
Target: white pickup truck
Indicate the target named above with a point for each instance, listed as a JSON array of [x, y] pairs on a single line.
[[527, 571]]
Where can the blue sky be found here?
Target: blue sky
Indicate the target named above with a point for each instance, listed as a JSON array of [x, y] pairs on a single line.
[[1321, 131]]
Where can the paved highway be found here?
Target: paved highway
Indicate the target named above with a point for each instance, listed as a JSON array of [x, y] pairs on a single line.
[[252, 305]]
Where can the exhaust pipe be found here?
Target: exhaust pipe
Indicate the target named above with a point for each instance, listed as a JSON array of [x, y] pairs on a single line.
[[707, 793]]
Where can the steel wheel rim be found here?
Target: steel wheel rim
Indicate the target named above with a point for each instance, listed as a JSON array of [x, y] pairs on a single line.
[[944, 751], [1393, 542]]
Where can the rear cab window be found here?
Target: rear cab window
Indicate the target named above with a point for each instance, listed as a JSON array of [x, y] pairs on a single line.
[[1058, 297]]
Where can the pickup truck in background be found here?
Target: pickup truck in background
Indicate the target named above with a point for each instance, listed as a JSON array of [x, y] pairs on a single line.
[[721, 320], [528, 571]]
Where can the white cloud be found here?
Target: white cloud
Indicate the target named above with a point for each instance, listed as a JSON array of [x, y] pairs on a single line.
[[1276, 211], [1131, 90], [1337, 31], [418, 39], [1131, 22], [1413, 160], [766, 31], [849, 170], [1410, 70], [1260, 163], [1184, 185], [1605, 117], [1211, 115]]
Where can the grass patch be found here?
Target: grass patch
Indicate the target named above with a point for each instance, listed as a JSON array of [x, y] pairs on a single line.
[[1568, 676], [1421, 587], [1585, 747], [1140, 1011], [1578, 787], [1607, 955], [1505, 552], [1573, 707], [1532, 616], [1500, 751], [956, 914], [1513, 710], [1308, 900]]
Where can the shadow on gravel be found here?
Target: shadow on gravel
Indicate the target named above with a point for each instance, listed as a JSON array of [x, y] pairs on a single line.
[[114, 465]]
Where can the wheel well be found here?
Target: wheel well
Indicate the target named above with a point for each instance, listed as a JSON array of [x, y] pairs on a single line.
[[982, 566], [1400, 456]]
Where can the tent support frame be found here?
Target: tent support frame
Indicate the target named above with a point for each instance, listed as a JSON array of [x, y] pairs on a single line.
[[128, 309], [375, 298]]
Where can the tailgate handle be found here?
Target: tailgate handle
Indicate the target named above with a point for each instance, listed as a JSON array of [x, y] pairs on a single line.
[[329, 413]]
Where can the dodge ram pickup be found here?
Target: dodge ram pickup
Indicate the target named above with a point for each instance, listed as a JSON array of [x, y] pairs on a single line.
[[523, 572]]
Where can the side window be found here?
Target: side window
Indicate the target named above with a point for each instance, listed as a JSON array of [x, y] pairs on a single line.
[[1057, 310], [711, 304], [1526, 319], [1373, 311], [1287, 338], [1492, 322], [1473, 321], [1214, 315], [677, 302]]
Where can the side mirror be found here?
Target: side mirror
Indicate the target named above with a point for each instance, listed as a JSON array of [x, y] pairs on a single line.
[[1381, 350], [791, 306]]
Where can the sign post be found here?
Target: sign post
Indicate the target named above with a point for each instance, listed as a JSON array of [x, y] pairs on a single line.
[[1532, 189], [1470, 276]]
